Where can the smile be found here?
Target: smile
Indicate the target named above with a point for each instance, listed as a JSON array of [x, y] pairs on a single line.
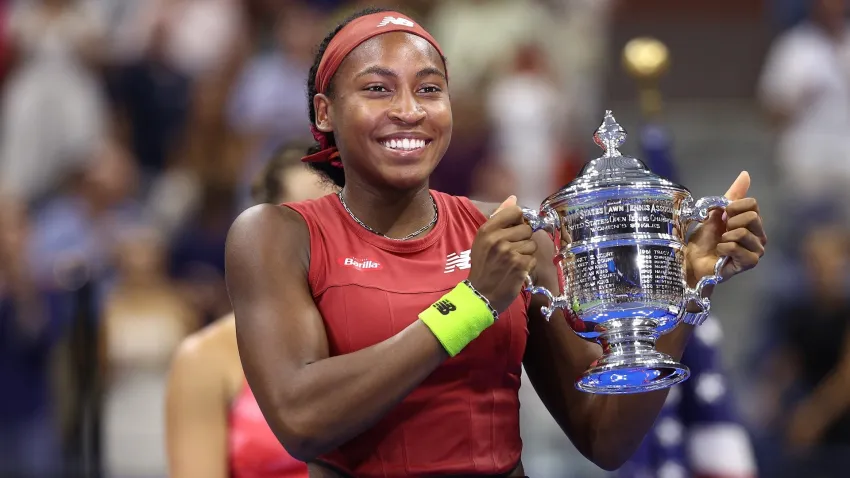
[[405, 144]]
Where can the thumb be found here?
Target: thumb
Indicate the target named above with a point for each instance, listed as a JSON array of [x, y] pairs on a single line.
[[510, 201], [738, 189]]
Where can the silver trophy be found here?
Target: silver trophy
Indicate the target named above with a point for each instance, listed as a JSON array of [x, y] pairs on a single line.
[[619, 232]]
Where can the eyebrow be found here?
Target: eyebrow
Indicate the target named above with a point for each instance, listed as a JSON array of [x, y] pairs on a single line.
[[382, 71]]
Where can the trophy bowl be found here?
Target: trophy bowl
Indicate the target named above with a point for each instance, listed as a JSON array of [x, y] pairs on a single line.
[[619, 232]]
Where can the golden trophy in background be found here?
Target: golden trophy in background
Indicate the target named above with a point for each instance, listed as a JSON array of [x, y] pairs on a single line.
[[646, 60]]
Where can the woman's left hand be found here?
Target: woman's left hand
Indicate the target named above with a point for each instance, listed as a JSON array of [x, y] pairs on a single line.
[[738, 234]]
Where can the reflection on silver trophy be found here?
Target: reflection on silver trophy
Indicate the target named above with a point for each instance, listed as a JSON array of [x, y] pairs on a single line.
[[619, 231]]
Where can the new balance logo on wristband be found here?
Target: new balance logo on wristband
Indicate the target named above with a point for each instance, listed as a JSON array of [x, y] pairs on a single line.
[[396, 21], [444, 306], [456, 261]]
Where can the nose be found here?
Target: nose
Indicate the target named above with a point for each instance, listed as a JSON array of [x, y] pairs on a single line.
[[406, 109]]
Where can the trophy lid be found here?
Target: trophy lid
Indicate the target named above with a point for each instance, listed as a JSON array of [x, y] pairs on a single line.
[[612, 169]]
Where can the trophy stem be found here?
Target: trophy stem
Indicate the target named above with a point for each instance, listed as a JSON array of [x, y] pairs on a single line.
[[630, 363], [626, 340]]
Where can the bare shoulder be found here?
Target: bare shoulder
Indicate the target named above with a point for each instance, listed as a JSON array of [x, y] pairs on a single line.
[[208, 350], [265, 237], [267, 221], [207, 342]]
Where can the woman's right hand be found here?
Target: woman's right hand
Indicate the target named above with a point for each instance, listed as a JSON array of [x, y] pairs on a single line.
[[502, 255]]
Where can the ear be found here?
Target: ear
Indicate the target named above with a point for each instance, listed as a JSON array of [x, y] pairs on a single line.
[[322, 104]]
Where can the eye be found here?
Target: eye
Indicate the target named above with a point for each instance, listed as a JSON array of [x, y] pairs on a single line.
[[430, 89], [376, 89]]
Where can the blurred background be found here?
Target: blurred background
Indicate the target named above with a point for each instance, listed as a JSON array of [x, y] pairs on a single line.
[[131, 130]]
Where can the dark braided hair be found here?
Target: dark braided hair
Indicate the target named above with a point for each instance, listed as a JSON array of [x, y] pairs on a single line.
[[326, 170]]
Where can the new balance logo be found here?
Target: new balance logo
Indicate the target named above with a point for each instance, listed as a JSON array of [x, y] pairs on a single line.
[[457, 261], [444, 307], [396, 21], [359, 264]]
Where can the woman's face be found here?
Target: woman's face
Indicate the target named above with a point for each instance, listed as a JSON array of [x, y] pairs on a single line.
[[390, 111]]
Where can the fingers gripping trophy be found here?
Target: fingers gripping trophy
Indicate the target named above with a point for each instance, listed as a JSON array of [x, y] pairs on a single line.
[[619, 231]]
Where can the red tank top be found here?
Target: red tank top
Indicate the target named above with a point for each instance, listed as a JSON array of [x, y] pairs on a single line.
[[253, 450], [464, 418]]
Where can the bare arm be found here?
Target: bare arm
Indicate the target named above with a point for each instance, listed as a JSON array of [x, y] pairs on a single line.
[[32, 319], [196, 412], [313, 402], [830, 397], [828, 402]]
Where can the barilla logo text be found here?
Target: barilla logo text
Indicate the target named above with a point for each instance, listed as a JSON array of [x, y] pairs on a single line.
[[360, 264], [396, 21]]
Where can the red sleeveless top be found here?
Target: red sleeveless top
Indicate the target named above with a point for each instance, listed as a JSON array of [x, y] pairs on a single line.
[[253, 450], [464, 418]]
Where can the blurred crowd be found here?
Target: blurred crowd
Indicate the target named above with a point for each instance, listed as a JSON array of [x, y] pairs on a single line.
[[131, 132]]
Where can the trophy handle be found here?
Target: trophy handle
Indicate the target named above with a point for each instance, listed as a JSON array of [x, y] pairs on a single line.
[[699, 211], [549, 222]]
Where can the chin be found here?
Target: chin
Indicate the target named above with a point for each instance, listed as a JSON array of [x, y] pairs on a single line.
[[407, 177]]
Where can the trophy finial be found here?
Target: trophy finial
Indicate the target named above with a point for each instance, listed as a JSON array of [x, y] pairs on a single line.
[[610, 135]]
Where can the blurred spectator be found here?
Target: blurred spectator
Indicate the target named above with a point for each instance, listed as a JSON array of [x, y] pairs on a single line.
[[202, 34], [698, 432], [83, 222], [803, 391], [805, 87], [211, 154], [524, 108], [151, 104], [32, 318], [268, 101], [196, 36], [196, 257], [145, 318], [52, 107], [477, 33], [269, 95], [576, 38], [188, 49], [214, 422]]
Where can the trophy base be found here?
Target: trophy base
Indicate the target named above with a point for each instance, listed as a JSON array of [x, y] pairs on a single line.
[[631, 364]]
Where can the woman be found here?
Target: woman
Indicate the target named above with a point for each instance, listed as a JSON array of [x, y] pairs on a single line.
[[366, 320], [144, 320], [214, 427]]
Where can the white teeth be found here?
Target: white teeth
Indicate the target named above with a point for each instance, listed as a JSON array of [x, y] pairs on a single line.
[[405, 144]]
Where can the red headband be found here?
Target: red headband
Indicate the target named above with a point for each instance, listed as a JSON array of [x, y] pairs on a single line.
[[352, 35]]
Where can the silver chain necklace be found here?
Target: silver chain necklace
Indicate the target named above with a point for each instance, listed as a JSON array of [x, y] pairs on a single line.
[[405, 238]]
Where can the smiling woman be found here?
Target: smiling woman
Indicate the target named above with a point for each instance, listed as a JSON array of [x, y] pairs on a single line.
[[383, 329], [377, 60]]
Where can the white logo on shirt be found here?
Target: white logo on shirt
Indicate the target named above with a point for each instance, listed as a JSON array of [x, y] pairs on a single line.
[[359, 264], [396, 21], [456, 261]]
